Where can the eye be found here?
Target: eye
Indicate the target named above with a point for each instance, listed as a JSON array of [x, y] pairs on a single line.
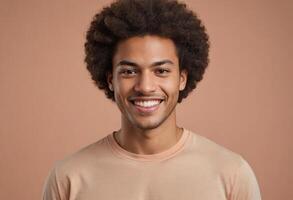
[[162, 71], [127, 72]]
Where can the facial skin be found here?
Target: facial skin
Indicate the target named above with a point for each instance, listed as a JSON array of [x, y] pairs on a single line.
[[146, 68]]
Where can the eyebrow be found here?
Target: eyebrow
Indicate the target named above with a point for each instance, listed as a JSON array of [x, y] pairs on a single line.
[[158, 63]]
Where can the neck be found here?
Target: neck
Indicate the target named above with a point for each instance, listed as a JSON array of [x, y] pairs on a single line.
[[149, 141]]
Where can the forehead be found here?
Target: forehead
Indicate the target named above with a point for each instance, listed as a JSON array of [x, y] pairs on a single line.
[[146, 50]]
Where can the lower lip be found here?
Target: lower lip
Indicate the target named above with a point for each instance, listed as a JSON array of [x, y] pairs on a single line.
[[147, 109]]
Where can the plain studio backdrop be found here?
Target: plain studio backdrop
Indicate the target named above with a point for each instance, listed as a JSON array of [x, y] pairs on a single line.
[[49, 107]]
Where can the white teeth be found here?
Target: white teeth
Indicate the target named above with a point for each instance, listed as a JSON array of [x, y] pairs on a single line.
[[149, 103]]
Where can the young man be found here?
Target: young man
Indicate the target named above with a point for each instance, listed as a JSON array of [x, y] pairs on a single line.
[[147, 55]]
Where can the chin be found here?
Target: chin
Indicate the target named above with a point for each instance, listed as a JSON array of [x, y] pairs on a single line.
[[147, 125]]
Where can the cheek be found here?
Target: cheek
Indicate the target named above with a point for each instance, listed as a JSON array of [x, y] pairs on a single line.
[[170, 86], [123, 87]]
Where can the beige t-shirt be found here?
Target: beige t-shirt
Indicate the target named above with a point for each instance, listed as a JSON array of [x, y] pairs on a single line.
[[195, 168]]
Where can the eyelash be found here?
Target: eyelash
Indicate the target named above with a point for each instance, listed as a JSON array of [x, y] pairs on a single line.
[[164, 71], [129, 72], [125, 71]]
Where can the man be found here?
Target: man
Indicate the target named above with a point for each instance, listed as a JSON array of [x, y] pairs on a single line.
[[147, 55]]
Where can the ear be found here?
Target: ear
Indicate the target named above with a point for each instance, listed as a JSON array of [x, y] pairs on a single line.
[[110, 80], [183, 79]]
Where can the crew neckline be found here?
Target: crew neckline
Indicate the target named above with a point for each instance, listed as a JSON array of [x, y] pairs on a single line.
[[168, 153]]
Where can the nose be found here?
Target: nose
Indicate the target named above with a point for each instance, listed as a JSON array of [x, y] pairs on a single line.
[[145, 83]]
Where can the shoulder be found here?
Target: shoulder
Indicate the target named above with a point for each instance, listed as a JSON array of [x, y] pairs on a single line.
[[82, 159], [68, 171], [213, 153], [231, 168], [219, 159]]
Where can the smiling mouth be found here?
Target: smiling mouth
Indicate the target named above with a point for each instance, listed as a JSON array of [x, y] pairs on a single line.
[[146, 106], [146, 103]]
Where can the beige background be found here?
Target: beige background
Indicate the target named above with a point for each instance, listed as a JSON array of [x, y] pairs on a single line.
[[49, 107]]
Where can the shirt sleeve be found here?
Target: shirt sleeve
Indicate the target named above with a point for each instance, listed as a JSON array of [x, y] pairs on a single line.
[[244, 184], [54, 187]]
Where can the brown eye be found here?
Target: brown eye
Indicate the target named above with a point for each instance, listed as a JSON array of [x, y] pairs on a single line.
[[128, 72], [162, 71]]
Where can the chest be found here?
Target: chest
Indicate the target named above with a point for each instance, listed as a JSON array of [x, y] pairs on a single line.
[[170, 182]]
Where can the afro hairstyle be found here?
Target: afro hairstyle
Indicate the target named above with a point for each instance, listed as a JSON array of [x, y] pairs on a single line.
[[129, 18]]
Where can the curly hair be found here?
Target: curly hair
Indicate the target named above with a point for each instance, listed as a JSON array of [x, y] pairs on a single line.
[[129, 18]]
